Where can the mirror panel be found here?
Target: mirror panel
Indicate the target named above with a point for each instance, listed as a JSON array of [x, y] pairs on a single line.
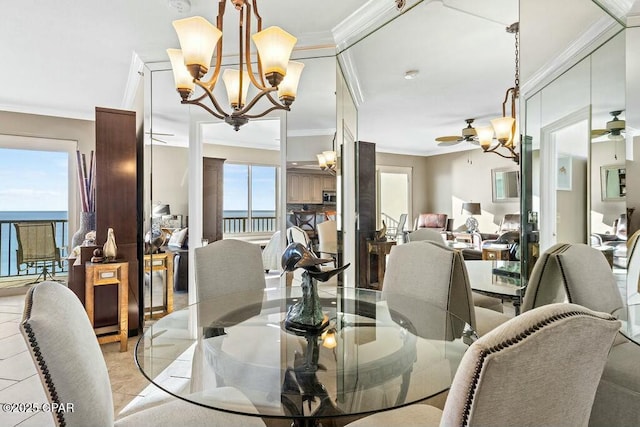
[[613, 182], [506, 185]]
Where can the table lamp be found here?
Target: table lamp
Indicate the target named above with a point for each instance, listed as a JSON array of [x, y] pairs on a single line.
[[471, 208]]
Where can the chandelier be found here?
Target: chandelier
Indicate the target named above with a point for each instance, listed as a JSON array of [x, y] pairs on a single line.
[[276, 75], [505, 126], [327, 161]]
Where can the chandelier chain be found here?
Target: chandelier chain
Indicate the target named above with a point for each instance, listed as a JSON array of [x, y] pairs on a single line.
[[517, 56]]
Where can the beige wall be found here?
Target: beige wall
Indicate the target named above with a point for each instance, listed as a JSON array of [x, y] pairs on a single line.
[[451, 180], [571, 206]]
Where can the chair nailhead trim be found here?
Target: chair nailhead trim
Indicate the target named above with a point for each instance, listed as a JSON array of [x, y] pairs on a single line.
[[508, 343], [42, 365]]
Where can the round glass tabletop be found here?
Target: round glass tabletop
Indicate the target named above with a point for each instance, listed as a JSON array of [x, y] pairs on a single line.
[[378, 352]]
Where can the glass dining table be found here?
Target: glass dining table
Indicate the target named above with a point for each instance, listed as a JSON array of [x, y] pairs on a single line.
[[379, 351]]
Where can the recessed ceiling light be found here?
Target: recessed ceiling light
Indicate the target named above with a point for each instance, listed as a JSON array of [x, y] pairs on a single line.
[[411, 74]]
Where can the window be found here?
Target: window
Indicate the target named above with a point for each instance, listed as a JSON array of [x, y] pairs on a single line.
[[250, 193]]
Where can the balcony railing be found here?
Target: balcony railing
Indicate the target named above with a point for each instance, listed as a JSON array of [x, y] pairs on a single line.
[[261, 224], [9, 246]]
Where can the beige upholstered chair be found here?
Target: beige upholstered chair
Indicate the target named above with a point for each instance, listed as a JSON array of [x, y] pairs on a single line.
[[437, 274], [479, 300], [297, 234], [425, 234], [327, 239], [272, 253], [70, 364], [539, 369], [228, 266], [581, 275]]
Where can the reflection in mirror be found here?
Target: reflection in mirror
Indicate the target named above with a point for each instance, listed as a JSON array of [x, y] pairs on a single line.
[[613, 182], [506, 185]]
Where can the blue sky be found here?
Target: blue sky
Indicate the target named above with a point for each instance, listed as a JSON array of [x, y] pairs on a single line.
[[33, 180], [236, 188]]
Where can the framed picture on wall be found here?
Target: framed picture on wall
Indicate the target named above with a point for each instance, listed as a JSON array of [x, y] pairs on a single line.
[[563, 172]]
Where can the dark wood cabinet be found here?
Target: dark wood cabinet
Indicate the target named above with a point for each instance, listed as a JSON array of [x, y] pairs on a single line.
[[212, 198], [365, 208]]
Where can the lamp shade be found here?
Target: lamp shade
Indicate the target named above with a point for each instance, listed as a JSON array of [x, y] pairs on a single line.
[[274, 47], [503, 127], [330, 157], [288, 87], [485, 136], [198, 38], [322, 162], [181, 76], [231, 79], [471, 208]]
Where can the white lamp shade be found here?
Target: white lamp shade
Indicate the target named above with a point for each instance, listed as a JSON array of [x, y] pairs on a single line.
[[288, 87], [231, 79], [485, 135], [503, 127], [330, 157], [181, 76], [198, 38], [274, 47], [322, 162]]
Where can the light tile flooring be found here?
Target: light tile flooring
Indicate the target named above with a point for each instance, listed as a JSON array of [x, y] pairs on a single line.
[[20, 383]]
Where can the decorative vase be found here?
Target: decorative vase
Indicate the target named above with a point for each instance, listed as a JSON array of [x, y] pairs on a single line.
[[87, 224], [110, 250]]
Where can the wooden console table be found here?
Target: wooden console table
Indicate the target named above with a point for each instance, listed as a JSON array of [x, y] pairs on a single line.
[[381, 250], [495, 254], [160, 262], [113, 273]]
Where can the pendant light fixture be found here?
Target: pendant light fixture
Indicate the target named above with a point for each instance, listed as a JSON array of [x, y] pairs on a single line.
[[505, 126], [276, 76]]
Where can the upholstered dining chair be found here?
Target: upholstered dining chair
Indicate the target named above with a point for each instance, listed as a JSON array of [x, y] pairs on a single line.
[[72, 369], [327, 239], [581, 275], [479, 300], [425, 234], [436, 221], [437, 274], [228, 266], [546, 363]]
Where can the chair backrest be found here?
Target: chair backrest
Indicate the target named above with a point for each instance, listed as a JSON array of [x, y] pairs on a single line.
[[545, 284], [432, 220], [546, 363], [433, 273], [306, 220], [297, 235], [327, 237], [36, 242], [577, 272], [620, 227], [68, 359], [633, 263], [425, 234], [228, 266]]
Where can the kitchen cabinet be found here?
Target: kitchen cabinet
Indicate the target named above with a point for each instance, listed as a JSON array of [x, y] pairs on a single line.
[[307, 188]]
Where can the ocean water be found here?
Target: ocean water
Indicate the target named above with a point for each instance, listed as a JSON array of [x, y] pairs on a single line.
[[9, 244], [245, 214]]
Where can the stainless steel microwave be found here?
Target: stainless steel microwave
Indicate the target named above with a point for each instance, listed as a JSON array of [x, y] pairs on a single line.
[[329, 197]]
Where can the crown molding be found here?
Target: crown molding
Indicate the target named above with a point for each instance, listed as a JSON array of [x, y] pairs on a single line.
[[351, 76], [133, 81], [50, 111], [311, 132], [595, 35]]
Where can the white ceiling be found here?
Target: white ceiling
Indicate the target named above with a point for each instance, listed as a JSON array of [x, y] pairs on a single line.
[[65, 57]]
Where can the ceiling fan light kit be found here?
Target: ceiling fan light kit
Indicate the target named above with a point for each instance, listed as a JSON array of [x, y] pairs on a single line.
[[614, 128], [276, 74]]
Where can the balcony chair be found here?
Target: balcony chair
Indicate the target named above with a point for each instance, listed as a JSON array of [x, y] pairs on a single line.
[[546, 363], [37, 248], [581, 275], [437, 274], [436, 221], [397, 232], [72, 369]]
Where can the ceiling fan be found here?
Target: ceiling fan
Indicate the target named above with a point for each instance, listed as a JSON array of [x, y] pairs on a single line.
[[155, 138], [614, 127], [468, 134]]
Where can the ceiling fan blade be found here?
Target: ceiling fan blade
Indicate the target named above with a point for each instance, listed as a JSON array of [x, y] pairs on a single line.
[[159, 140], [595, 133], [159, 133], [449, 143], [448, 139]]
